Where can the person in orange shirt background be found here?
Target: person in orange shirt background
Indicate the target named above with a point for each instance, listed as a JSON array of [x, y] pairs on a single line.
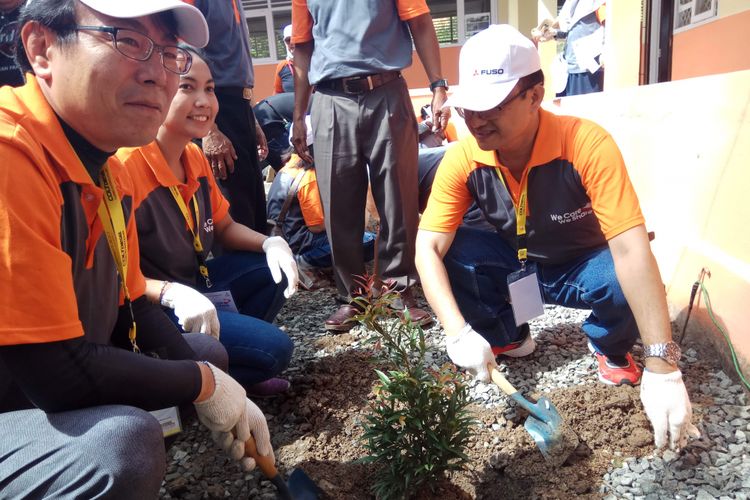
[[294, 206], [284, 74]]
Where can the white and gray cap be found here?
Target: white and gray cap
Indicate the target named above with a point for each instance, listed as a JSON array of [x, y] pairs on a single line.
[[191, 25]]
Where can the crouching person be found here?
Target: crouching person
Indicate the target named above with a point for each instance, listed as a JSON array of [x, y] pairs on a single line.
[[83, 355], [180, 213], [296, 212], [568, 230]]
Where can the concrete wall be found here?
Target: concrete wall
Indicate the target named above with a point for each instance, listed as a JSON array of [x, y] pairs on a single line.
[[687, 145], [717, 46]]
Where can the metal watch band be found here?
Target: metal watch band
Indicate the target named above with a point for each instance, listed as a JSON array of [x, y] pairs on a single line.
[[668, 351]]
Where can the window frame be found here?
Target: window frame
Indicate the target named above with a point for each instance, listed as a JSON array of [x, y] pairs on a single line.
[[461, 22], [250, 10], [710, 15], [274, 6]]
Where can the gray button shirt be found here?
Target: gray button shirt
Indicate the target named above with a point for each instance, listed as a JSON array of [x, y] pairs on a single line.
[[229, 46], [357, 38]]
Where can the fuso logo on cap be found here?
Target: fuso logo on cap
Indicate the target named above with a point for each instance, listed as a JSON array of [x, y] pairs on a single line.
[[491, 71]]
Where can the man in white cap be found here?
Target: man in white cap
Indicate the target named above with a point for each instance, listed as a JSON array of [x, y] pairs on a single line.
[[83, 355], [568, 230]]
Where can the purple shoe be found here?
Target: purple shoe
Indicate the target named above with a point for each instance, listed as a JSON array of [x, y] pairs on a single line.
[[268, 388]]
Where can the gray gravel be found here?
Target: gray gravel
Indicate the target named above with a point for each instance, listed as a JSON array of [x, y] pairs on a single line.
[[715, 466]]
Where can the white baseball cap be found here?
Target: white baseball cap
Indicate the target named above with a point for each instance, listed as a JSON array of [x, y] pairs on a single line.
[[287, 31], [191, 25], [489, 66]]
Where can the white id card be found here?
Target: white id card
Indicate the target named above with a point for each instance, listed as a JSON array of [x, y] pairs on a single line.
[[169, 418], [222, 300], [525, 295]]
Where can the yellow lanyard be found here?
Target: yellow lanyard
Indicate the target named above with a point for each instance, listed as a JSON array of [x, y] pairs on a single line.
[[113, 222], [197, 245], [520, 215]]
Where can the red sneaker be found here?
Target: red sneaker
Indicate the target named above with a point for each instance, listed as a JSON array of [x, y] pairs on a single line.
[[617, 370]]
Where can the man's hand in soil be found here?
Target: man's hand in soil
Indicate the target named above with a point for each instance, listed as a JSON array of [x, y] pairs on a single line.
[[668, 407], [220, 153], [470, 350]]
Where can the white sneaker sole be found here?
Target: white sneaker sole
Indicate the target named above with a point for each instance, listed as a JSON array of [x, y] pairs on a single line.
[[527, 347]]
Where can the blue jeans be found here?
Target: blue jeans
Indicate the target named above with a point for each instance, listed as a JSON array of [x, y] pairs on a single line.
[[479, 262], [318, 253], [257, 349]]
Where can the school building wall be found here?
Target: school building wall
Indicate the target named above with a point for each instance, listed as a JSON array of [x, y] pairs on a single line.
[[719, 45]]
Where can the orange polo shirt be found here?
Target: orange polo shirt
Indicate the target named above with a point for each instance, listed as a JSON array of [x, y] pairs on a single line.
[[59, 279], [579, 192]]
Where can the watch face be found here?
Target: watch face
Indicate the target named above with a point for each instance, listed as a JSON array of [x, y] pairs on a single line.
[[673, 352]]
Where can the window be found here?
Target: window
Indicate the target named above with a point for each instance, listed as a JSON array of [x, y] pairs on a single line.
[[688, 13], [265, 23], [457, 20], [454, 20]]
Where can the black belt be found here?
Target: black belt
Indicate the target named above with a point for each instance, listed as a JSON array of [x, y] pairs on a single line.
[[243, 92], [359, 84]]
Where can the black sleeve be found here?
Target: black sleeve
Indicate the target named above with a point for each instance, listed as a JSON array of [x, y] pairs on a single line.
[[71, 374]]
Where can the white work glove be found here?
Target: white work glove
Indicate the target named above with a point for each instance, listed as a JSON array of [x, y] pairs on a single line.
[[280, 258], [195, 313], [668, 407], [470, 350], [232, 418]]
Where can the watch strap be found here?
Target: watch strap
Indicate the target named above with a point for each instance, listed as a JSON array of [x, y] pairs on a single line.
[[438, 83], [668, 351]]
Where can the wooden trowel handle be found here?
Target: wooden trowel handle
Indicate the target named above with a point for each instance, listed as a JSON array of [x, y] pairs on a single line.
[[265, 463], [500, 380]]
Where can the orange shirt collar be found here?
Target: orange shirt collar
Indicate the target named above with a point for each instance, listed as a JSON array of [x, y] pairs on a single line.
[[547, 145], [164, 175]]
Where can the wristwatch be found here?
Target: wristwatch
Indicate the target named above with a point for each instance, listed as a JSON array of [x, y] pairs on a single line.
[[438, 83], [668, 351]]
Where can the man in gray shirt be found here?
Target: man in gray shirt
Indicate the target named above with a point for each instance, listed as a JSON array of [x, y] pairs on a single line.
[[236, 144], [365, 130]]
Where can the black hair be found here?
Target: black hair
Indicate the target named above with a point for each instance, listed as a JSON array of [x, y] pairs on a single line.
[[196, 51], [57, 15], [531, 80]]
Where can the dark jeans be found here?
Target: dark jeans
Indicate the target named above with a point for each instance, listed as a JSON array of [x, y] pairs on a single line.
[[479, 262], [257, 349], [318, 253]]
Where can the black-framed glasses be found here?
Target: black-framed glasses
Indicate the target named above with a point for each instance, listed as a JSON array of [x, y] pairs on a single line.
[[138, 46], [492, 113]]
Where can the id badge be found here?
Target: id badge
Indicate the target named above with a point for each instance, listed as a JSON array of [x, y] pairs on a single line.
[[223, 301], [525, 294], [169, 418]]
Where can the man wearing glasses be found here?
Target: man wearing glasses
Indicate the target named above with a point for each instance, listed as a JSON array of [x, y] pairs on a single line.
[[83, 355], [568, 230]]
